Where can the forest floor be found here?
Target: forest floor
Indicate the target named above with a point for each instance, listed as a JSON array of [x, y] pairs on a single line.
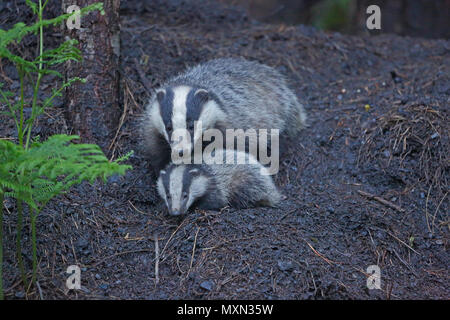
[[365, 184]]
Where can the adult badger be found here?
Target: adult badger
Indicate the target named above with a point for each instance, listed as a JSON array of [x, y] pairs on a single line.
[[227, 93], [214, 186]]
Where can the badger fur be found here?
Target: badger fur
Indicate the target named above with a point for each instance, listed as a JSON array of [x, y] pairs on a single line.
[[216, 186], [228, 93]]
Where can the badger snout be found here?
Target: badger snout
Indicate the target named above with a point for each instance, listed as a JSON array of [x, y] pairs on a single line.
[[181, 152], [175, 213]]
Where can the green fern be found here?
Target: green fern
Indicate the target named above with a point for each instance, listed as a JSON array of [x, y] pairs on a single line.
[[50, 168], [333, 14], [34, 172]]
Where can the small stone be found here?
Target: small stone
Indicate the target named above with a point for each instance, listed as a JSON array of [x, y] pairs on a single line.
[[434, 135], [114, 179], [97, 276], [285, 265], [9, 203], [207, 285], [109, 204], [82, 243], [85, 290], [103, 286]]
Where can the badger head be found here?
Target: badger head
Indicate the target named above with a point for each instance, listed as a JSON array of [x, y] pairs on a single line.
[[180, 186], [182, 114]]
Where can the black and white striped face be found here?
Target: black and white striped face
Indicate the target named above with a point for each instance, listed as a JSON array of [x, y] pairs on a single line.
[[183, 113], [180, 186]]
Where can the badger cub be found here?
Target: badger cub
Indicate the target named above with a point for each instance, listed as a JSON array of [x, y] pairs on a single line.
[[214, 186], [228, 93]]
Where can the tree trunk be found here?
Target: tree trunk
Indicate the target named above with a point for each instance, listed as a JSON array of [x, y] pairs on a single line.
[[93, 108]]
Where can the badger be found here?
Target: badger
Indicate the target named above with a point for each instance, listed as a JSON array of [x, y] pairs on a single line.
[[225, 93], [214, 186]]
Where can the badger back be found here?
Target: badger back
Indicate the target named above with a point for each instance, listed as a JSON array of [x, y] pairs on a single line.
[[244, 182], [251, 94]]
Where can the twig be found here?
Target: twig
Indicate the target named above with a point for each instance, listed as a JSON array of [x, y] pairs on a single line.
[[426, 210], [407, 265], [314, 282], [73, 250], [156, 259], [140, 211], [141, 73], [40, 290], [287, 214], [381, 200], [389, 291], [293, 69], [437, 209], [119, 254], [226, 242], [127, 87], [193, 252], [171, 236], [330, 262], [13, 286], [122, 119], [409, 247]]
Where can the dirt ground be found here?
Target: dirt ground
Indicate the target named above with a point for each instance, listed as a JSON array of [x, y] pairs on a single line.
[[365, 184]]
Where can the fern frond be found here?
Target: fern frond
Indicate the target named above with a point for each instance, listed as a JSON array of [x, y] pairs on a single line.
[[51, 167]]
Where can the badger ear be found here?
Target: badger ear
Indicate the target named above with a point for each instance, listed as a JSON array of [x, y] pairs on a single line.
[[160, 95], [202, 94], [162, 172]]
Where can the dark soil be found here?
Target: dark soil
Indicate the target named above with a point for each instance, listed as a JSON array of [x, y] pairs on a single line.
[[366, 183]]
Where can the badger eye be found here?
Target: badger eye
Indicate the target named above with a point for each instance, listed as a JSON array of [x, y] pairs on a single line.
[[169, 128], [185, 195]]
